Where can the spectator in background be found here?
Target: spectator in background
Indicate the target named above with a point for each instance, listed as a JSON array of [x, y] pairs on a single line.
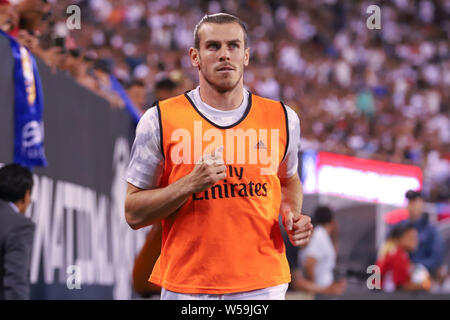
[[138, 94], [24, 21], [101, 73], [31, 14], [165, 89], [8, 16], [395, 264], [16, 232], [319, 257], [430, 250]]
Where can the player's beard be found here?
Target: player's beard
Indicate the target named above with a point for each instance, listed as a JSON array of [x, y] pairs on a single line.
[[221, 86]]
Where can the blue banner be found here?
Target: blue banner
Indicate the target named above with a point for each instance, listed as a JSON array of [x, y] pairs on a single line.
[[131, 108], [28, 108]]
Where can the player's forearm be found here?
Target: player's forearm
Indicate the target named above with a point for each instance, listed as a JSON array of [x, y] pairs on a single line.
[[146, 207], [291, 194]]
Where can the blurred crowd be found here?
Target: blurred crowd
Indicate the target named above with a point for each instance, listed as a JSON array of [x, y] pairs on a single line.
[[380, 94]]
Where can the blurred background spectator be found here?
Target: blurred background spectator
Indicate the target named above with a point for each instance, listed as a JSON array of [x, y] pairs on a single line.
[[16, 232], [397, 270], [8, 16], [430, 249], [318, 258]]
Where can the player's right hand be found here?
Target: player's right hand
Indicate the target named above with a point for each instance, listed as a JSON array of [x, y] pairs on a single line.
[[208, 170]]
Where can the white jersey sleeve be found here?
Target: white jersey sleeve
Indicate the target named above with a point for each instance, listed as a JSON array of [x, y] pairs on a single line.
[[288, 167], [146, 161]]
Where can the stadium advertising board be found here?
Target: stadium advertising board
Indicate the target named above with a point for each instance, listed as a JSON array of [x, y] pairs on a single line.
[[359, 179]]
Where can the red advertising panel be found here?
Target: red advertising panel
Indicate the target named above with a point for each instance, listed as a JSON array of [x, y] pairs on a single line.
[[364, 179]]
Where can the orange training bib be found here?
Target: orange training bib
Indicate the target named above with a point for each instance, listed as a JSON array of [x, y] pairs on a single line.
[[227, 238]]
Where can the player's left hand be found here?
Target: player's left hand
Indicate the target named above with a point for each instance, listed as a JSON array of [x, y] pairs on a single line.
[[298, 227]]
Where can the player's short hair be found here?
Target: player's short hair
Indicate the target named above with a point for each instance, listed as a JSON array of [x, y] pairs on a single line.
[[219, 18], [15, 181]]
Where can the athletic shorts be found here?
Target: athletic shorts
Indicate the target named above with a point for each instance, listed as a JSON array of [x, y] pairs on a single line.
[[271, 293]]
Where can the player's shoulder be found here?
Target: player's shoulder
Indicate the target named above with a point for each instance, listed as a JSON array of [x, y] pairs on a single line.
[[150, 114], [271, 102], [268, 108], [292, 116], [264, 101], [173, 101], [149, 121]]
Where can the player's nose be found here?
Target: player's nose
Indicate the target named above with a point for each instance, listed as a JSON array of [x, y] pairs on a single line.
[[224, 54]]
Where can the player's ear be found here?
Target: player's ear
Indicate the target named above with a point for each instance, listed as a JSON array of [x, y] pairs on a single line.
[[246, 56], [195, 57]]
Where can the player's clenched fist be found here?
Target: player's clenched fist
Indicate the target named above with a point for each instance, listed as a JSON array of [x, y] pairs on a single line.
[[298, 227], [208, 170]]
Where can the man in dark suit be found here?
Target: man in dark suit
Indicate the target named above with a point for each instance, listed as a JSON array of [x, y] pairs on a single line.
[[16, 232]]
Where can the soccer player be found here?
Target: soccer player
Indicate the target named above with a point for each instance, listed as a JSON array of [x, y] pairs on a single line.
[[216, 167]]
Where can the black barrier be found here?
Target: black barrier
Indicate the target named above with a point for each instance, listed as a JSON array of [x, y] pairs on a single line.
[[6, 101], [83, 247], [232, 310]]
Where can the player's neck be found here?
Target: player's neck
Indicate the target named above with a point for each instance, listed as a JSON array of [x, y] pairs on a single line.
[[224, 101]]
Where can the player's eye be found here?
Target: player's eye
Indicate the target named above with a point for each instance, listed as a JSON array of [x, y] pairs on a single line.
[[213, 46]]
